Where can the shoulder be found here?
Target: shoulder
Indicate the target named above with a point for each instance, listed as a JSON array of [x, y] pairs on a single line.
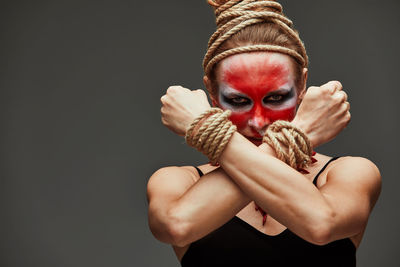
[[172, 180], [173, 172], [183, 174], [356, 166], [357, 174]]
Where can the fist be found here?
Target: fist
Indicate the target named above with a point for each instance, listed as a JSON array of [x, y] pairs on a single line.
[[323, 113], [180, 106]]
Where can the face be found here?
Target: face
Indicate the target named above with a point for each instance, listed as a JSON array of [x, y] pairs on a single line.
[[259, 88]]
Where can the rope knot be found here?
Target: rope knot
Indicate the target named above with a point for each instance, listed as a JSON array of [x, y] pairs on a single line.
[[299, 149]]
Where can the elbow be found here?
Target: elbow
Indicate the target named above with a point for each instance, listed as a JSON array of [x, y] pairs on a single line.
[[178, 234], [321, 233], [171, 230], [178, 229]]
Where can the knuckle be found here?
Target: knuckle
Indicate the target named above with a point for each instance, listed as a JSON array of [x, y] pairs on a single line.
[[348, 116], [321, 90], [338, 85], [172, 89], [343, 108], [325, 89], [343, 96], [338, 97], [201, 92]]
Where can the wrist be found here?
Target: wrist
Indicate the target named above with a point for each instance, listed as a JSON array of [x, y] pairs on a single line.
[[306, 130], [290, 143], [211, 132], [203, 116]]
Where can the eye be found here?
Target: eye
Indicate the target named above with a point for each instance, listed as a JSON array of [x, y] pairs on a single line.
[[275, 99], [237, 101], [279, 97]]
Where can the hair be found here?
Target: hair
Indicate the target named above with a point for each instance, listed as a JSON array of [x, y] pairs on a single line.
[[262, 27]]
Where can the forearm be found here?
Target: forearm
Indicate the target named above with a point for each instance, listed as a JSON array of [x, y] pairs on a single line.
[[283, 192], [216, 198], [250, 173], [207, 205]]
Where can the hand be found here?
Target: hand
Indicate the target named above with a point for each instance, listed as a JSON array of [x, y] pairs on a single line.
[[180, 106], [323, 113]]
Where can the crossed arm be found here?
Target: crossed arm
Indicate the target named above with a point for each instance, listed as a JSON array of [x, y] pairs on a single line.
[[182, 211]]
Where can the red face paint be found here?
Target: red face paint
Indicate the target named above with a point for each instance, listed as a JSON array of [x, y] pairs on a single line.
[[256, 77]]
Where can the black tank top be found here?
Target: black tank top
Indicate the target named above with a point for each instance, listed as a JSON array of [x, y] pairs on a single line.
[[237, 243]]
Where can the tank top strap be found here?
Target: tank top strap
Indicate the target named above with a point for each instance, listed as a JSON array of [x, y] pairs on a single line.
[[199, 171], [323, 168]]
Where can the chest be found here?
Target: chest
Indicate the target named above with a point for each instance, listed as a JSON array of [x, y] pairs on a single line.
[[238, 244]]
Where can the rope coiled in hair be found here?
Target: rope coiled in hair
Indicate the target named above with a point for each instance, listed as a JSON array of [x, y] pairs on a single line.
[[239, 14]]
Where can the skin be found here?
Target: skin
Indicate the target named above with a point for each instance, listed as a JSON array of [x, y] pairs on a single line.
[[258, 90], [184, 208]]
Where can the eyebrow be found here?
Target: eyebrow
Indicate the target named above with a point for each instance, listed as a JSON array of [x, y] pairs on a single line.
[[280, 91], [229, 91], [235, 92], [238, 94]]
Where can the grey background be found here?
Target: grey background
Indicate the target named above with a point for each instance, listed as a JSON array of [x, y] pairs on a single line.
[[80, 126]]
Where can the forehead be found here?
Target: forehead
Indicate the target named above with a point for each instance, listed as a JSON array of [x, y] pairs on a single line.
[[256, 71]]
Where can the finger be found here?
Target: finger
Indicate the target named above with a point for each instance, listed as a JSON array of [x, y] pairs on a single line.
[[332, 86], [348, 117], [347, 105], [343, 95], [163, 121], [340, 96], [173, 88], [163, 98]]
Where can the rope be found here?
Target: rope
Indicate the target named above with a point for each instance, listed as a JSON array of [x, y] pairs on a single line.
[[284, 134], [214, 130], [239, 14]]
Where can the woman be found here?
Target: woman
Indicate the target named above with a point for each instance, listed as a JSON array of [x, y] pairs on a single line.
[[252, 209]]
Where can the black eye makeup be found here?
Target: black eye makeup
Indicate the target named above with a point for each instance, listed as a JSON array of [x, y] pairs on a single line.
[[279, 96], [237, 101]]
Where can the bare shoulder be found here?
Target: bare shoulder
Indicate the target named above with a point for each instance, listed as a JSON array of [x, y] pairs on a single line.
[[356, 166], [357, 173], [171, 181]]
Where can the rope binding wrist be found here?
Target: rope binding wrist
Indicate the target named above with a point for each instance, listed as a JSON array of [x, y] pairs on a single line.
[[299, 149], [210, 132]]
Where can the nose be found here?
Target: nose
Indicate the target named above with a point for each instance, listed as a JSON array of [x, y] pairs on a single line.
[[259, 120]]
